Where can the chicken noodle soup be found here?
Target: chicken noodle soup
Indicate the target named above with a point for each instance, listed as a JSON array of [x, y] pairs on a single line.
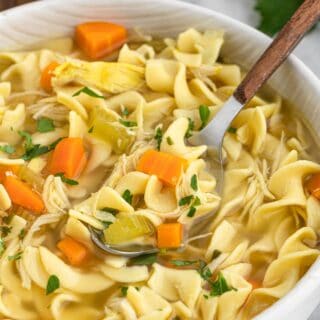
[[96, 136]]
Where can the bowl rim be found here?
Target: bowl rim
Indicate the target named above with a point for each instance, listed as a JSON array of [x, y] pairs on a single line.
[[310, 279]]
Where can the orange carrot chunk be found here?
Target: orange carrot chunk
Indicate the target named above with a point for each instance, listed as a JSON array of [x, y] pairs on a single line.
[[68, 157], [75, 252], [22, 195], [97, 39], [313, 185], [165, 166], [4, 169], [46, 76], [169, 235]]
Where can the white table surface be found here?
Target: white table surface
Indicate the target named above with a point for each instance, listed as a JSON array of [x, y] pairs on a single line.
[[308, 50]]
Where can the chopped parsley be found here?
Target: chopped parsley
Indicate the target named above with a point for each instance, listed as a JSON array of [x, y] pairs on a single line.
[[182, 263], [217, 287], [2, 246], [106, 224], [206, 296], [169, 141], [8, 149], [124, 291], [16, 256], [190, 129], [186, 200], [28, 139], [204, 113], [45, 125], [128, 124], [90, 130], [66, 180], [145, 259], [125, 112], [220, 286], [22, 233], [194, 182], [232, 130], [196, 202], [110, 210], [158, 137], [191, 212], [5, 230], [53, 284], [35, 150], [127, 195], [216, 253], [88, 92]]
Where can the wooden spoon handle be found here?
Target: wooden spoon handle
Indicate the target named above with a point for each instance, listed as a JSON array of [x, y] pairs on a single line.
[[290, 35]]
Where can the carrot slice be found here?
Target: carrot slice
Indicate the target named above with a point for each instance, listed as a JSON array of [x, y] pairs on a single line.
[[68, 157], [165, 166], [46, 76], [75, 252], [169, 235], [313, 185], [4, 169], [21, 194], [97, 39]]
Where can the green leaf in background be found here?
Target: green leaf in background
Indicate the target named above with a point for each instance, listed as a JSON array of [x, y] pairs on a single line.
[[52, 284], [275, 14]]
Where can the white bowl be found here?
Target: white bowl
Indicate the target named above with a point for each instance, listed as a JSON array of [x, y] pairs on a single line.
[[294, 81]]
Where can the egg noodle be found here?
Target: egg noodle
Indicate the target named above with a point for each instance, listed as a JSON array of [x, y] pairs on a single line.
[[153, 95]]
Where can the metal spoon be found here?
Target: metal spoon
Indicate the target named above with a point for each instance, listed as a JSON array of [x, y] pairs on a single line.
[[212, 135]]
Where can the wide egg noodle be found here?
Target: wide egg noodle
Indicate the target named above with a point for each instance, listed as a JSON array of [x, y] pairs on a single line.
[[266, 221]]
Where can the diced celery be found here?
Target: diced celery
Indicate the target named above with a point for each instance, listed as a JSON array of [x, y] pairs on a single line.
[[105, 127], [128, 228], [31, 177]]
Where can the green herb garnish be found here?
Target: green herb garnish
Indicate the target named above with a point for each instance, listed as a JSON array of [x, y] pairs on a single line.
[[53, 284], [110, 210], [88, 92], [35, 150], [66, 180], [106, 224], [5, 230], [182, 263], [186, 200], [127, 196], [204, 113], [125, 112], [145, 259], [90, 130], [158, 137], [8, 149], [191, 212], [220, 286], [2, 246], [128, 124], [190, 129], [232, 130], [22, 233], [28, 139], [216, 253], [16, 256], [196, 202], [169, 141], [124, 291], [45, 125], [194, 182]]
